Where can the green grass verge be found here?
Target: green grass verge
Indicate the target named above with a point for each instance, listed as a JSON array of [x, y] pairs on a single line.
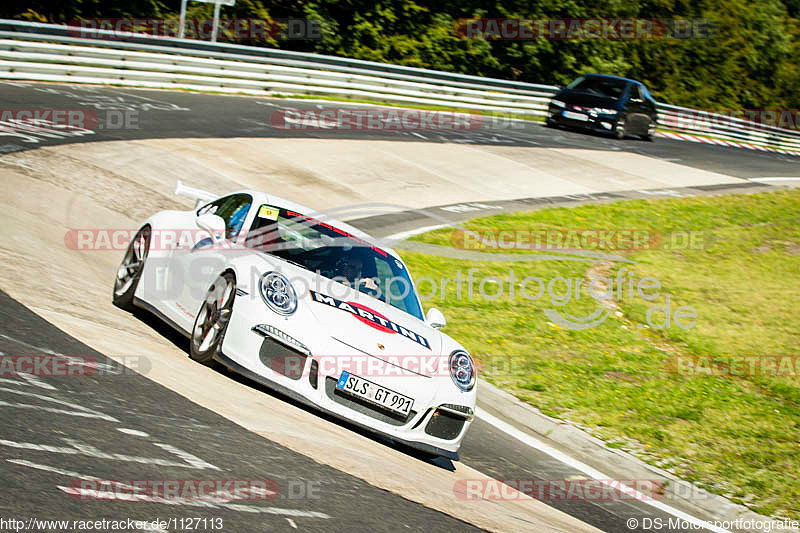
[[736, 435]]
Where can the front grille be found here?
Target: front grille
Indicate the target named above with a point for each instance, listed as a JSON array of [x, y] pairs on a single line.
[[282, 359], [364, 407], [444, 425]]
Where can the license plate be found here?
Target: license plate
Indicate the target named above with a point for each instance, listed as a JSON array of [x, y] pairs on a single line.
[[575, 116], [374, 393]]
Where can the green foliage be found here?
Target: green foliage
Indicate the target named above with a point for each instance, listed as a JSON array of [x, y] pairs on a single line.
[[749, 64]]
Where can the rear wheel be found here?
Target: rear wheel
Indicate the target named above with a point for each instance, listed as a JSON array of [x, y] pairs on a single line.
[[621, 128], [212, 319], [130, 270]]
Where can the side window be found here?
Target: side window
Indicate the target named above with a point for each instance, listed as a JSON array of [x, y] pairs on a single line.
[[637, 92], [233, 210], [212, 207]]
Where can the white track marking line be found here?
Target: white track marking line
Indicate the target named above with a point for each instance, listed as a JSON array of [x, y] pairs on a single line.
[[193, 460], [78, 408], [776, 179], [23, 343], [75, 491], [51, 410], [403, 235], [134, 432], [28, 381], [79, 448], [69, 473], [588, 470]]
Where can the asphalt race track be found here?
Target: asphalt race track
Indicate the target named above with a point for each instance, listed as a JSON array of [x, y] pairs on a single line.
[[115, 429], [57, 431], [165, 114]]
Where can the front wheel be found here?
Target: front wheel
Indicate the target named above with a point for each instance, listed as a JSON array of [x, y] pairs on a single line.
[[651, 131], [212, 319], [130, 270]]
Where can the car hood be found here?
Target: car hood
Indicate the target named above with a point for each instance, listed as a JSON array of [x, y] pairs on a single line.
[[573, 98], [362, 322], [367, 324]]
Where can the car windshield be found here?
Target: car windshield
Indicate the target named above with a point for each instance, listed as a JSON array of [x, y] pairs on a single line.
[[608, 87], [335, 254]]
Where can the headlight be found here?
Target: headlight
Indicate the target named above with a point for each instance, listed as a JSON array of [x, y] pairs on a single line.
[[462, 370], [558, 103], [604, 111], [278, 293]]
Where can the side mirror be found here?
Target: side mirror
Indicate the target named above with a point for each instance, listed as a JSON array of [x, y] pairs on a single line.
[[213, 224], [435, 319]]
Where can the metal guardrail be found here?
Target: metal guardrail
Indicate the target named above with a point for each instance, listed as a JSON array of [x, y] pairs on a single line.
[[47, 52]]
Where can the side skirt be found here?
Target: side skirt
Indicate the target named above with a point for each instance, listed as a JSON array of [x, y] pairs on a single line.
[[138, 302]]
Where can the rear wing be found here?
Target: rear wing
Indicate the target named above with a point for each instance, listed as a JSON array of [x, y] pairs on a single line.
[[199, 195]]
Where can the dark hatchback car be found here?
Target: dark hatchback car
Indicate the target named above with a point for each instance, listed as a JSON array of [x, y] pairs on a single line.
[[605, 104]]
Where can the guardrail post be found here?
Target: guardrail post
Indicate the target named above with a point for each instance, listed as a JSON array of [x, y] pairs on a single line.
[[183, 19], [216, 22]]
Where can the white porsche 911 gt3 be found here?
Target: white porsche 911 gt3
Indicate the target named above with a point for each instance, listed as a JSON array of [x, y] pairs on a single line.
[[306, 305]]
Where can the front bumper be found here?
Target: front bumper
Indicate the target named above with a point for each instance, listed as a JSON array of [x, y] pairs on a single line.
[[594, 122], [439, 418]]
